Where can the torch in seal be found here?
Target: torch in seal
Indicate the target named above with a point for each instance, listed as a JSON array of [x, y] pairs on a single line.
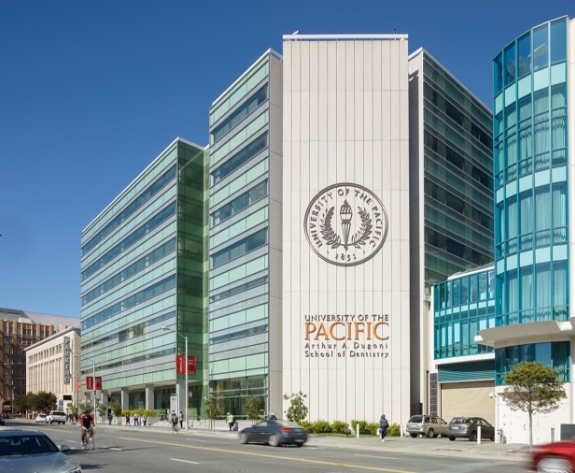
[[345, 213]]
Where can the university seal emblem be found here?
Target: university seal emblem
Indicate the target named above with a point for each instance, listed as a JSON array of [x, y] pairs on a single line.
[[346, 224]]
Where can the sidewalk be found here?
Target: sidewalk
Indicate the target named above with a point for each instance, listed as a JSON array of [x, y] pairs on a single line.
[[487, 450]]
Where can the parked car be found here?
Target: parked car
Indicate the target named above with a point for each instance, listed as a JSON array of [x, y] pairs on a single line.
[[56, 416], [466, 427], [28, 451], [2, 421], [40, 418], [430, 426], [275, 433], [554, 457]]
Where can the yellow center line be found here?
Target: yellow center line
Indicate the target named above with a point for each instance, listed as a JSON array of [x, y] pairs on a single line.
[[265, 455]]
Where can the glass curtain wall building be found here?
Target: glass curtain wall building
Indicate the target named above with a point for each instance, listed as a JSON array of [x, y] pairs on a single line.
[[532, 147], [451, 213], [143, 267], [245, 343]]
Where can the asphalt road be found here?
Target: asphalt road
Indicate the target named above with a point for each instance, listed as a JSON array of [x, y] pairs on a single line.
[[144, 451]]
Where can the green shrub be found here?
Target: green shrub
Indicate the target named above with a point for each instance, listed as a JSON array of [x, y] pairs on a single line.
[[305, 424], [362, 426], [394, 430], [321, 427], [371, 428], [338, 426]]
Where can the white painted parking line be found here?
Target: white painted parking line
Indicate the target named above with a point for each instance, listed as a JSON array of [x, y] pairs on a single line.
[[71, 441], [117, 449], [373, 456], [184, 461]]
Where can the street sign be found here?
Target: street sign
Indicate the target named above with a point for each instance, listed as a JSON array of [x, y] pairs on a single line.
[[60, 404], [98, 383], [173, 403], [78, 385], [192, 365], [66, 360], [89, 383]]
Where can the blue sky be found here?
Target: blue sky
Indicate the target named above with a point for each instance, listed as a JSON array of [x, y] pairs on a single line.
[[92, 91]]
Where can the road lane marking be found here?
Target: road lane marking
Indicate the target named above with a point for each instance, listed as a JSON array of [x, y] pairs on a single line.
[[264, 455], [374, 456], [184, 461], [72, 441], [117, 449]]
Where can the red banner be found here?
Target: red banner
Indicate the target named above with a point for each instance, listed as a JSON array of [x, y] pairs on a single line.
[[180, 367], [89, 383], [192, 365], [98, 383], [78, 385]]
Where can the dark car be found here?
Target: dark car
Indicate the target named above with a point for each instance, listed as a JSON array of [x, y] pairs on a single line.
[[2, 420], [29, 451], [275, 433], [467, 427], [554, 457]]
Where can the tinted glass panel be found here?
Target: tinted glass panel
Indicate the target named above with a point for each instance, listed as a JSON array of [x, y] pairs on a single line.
[[540, 48], [558, 41], [240, 158], [524, 55]]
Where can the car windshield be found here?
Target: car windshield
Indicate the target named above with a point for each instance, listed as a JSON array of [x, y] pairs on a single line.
[[459, 420], [416, 419], [26, 445]]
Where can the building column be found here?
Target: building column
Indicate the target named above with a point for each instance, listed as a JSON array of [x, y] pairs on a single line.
[[124, 399], [181, 393], [149, 396]]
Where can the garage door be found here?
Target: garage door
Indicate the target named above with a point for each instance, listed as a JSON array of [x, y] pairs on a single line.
[[468, 399]]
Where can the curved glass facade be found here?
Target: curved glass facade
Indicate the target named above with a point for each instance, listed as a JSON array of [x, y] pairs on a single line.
[[530, 164], [463, 306]]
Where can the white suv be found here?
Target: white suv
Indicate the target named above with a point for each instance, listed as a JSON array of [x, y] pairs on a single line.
[[56, 416]]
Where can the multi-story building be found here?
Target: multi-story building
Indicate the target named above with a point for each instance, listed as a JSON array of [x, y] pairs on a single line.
[[245, 333], [18, 330], [345, 179], [53, 365], [531, 317], [451, 203], [143, 284]]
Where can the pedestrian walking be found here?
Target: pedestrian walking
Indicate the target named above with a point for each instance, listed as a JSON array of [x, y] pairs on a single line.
[[272, 416], [181, 417], [174, 422], [383, 426], [136, 419], [230, 420], [127, 419], [144, 419], [110, 417]]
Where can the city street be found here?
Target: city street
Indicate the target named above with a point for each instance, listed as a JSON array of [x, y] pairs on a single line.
[[153, 450]]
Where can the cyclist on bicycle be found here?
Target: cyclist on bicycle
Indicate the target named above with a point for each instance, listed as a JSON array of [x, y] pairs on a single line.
[[87, 425]]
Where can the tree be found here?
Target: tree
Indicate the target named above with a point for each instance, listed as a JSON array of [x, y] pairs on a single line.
[[44, 402], [23, 403], [252, 408], [73, 410], [212, 410], [533, 388], [297, 410], [102, 410], [116, 408]]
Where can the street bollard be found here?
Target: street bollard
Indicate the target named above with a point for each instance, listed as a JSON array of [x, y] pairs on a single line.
[[478, 435], [552, 434]]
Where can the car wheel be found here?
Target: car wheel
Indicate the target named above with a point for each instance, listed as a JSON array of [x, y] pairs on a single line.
[[244, 438], [473, 436], [554, 465], [413, 435], [452, 438], [299, 444], [50, 422], [273, 441], [430, 433]]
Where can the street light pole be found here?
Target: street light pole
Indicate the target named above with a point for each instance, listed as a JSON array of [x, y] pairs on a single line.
[[185, 337], [93, 383], [12, 403]]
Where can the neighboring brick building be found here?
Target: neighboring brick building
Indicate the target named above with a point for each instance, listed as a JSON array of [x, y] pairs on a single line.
[[18, 330]]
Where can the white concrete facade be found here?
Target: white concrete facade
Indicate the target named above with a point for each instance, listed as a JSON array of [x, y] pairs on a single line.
[[45, 369], [346, 125]]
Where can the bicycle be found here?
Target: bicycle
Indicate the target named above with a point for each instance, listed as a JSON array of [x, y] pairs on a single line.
[[88, 438]]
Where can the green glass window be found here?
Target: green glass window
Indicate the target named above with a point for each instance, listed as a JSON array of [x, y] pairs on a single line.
[[510, 64], [558, 41], [540, 47]]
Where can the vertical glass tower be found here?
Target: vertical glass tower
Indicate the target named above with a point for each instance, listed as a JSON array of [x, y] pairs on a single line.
[[142, 268], [531, 157], [451, 214], [245, 346]]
